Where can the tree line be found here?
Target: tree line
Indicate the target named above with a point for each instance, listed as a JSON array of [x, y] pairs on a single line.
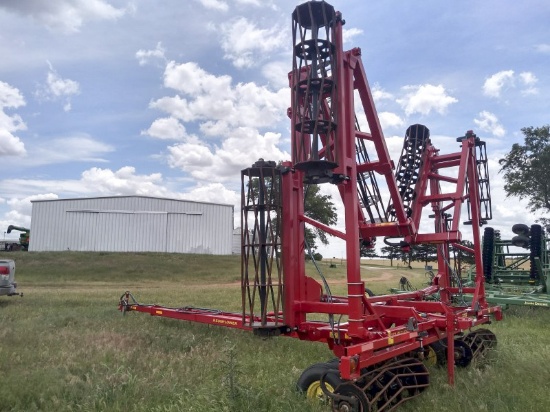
[[420, 253]]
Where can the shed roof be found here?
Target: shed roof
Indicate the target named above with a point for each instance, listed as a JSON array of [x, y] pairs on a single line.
[[130, 196]]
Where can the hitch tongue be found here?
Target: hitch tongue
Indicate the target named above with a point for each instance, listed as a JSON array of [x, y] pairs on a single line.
[[124, 302]]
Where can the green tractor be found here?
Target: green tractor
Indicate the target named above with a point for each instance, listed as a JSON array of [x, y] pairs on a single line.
[[24, 237]]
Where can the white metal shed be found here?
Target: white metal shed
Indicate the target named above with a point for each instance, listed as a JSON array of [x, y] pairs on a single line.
[[236, 241], [131, 224]]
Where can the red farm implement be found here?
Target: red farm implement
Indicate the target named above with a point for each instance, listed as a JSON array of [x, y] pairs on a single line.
[[381, 341]]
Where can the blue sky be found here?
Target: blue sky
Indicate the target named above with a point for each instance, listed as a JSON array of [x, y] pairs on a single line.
[[173, 98]]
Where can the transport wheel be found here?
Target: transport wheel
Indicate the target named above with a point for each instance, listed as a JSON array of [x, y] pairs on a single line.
[[435, 354], [369, 292], [488, 252], [430, 356], [309, 382], [333, 363]]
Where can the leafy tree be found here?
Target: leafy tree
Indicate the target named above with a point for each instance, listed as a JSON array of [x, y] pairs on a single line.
[[368, 252], [391, 253], [319, 207], [424, 253], [316, 206], [406, 256], [464, 257], [526, 170]]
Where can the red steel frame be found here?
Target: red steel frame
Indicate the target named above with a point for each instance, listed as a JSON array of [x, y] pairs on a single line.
[[381, 327]]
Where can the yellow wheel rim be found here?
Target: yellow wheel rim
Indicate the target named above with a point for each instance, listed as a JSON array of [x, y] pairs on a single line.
[[431, 356], [314, 391]]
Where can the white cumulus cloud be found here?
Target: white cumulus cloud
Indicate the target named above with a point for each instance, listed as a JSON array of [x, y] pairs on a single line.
[[23, 205], [390, 120], [123, 181], [488, 122], [350, 34], [276, 73], [216, 103], [166, 128], [529, 80], [94, 182], [505, 80], [190, 79], [241, 149], [246, 45], [253, 2], [498, 81], [66, 16], [214, 193], [215, 4], [379, 94], [10, 98], [144, 56], [57, 88], [425, 98]]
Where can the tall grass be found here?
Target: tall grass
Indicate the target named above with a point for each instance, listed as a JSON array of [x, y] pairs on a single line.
[[65, 347]]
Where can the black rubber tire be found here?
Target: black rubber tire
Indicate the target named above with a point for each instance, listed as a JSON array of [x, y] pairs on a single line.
[[488, 252], [520, 229], [440, 352], [326, 365], [312, 376], [536, 251], [369, 292], [521, 241]]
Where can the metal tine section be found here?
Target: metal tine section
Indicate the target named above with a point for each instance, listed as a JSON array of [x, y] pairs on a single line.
[[406, 174], [367, 186], [313, 109], [486, 212], [261, 270]]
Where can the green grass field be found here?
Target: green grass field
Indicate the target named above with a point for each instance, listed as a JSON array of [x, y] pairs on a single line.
[[65, 347]]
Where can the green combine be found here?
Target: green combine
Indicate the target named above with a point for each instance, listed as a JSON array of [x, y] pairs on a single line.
[[24, 237]]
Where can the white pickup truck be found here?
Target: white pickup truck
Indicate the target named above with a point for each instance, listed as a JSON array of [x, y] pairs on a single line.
[[7, 278]]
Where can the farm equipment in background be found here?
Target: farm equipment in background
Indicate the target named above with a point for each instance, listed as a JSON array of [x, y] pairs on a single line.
[[24, 237], [517, 270], [8, 285], [381, 341]]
